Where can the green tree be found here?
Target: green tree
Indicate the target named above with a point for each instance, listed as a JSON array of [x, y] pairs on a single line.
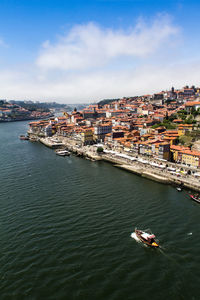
[[100, 150], [194, 112]]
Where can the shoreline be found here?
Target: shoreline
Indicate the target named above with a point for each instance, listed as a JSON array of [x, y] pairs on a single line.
[[144, 174], [155, 175], [26, 119], [152, 173]]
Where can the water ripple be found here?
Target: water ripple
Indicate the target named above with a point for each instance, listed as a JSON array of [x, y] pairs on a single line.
[[65, 229]]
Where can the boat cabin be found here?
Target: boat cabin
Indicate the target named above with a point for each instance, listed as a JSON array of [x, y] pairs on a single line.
[[148, 237]]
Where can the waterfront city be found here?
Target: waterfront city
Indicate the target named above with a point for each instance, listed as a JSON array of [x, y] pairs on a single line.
[[156, 136], [99, 150]]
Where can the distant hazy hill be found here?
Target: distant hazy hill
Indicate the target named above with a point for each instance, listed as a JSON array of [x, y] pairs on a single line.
[[78, 106], [40, 106], [106, 101]]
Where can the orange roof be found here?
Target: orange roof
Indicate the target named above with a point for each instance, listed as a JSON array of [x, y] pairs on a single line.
[[191, 152], [192, 103], [179, 148], [185, 125], [177, 120]]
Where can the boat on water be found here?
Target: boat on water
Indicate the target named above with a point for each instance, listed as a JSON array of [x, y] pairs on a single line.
[[195, 197], [62, 152], [179, 189], [147, 238], [23, 137]]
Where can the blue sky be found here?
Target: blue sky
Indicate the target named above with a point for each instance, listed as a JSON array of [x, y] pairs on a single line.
[[82, 51]]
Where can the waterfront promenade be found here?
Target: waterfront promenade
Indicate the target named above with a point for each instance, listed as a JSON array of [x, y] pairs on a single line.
[[152, 172], [151, 168]]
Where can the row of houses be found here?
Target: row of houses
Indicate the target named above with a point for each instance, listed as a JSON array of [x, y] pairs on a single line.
[[125, 125], [156, 143]]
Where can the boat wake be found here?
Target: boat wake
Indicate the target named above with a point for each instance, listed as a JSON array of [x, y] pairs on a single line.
[[161, 249]]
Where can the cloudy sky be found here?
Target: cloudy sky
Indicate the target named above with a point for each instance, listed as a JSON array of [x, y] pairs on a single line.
[[83, 51]]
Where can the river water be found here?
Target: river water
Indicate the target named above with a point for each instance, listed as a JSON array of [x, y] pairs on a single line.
[[66, 224]]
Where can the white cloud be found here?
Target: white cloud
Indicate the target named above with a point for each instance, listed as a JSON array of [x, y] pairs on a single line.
[[91, 63], [89, 46], [93, 86]]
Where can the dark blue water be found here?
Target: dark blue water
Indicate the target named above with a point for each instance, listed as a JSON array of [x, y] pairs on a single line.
[[65, 226]]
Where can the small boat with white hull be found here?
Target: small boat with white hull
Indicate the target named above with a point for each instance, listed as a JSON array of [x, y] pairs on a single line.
[[195, 197], [180, 187], [62, 152], [147, 238]]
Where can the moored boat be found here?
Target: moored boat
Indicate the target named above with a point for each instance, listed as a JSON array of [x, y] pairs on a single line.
[[23, 137], [147, 238], [62, 152], [195, 198]]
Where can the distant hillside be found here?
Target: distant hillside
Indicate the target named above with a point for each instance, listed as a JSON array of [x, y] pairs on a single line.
[[78, 106], [39, 106], [106, 101]]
